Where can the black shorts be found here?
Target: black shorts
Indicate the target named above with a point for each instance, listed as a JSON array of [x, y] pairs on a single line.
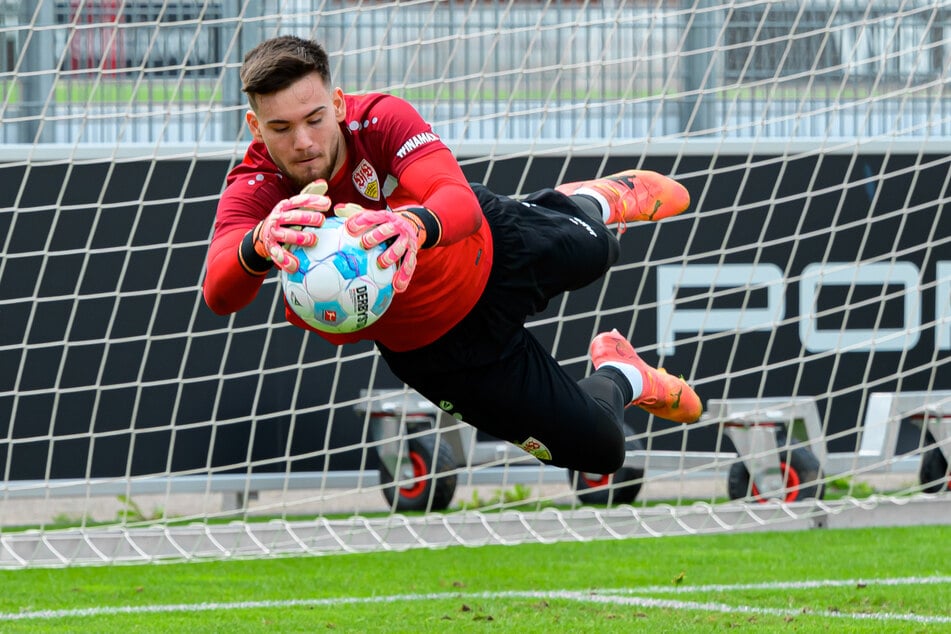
[[491, 372]]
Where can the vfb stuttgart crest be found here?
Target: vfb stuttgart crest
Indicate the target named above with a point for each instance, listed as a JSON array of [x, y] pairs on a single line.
[[366, 180]]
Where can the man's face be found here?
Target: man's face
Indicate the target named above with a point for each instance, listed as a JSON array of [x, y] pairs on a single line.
[[299, 125]]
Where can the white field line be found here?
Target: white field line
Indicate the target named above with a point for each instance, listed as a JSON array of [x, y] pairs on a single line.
[[781, 585], [611, 596]]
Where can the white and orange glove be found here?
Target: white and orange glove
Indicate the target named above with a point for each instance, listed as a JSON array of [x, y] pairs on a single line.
[[402, 229], [282, 226]]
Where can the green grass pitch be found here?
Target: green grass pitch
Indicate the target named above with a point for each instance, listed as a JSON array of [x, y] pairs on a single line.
[[856, 580]]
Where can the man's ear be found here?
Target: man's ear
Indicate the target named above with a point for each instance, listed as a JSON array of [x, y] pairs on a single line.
[[340, 105], [253, 125]]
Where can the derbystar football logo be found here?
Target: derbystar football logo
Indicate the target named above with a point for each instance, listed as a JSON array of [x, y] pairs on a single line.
[[366, 180], [361, 304], [416, 141]]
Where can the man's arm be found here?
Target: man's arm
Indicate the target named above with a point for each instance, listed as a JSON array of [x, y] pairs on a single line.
[[435, 183], [231, 284], [243, 251]]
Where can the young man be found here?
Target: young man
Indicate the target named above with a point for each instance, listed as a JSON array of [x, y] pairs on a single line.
[[473, 265]]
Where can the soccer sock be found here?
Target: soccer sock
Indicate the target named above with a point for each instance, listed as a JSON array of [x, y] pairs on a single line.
[[592, 203], [631, 374], [590, 196]]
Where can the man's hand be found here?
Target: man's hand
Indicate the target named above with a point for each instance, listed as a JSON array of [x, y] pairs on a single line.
[[379, 226], [282, 226]]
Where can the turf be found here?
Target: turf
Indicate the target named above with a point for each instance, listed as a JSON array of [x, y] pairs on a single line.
[[648, 584]]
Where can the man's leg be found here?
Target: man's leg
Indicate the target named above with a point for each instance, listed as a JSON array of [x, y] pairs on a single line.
[[632, 196], [543, 245], [627, 197], [653, 390], [527, 398]]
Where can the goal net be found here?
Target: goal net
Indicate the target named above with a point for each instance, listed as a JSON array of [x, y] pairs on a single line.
[[806, 294]]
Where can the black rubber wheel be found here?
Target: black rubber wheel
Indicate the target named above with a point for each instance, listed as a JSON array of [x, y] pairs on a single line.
[[620, 487], [433, 481], [933, 472], [802, 478]]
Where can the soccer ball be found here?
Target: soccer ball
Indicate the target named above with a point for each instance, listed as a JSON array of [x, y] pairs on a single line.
[[339, 287]]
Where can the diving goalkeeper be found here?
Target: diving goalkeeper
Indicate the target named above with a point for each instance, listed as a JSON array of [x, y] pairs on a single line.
[[472, 265]]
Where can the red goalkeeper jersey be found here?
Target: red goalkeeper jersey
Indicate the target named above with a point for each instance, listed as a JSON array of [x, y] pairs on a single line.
[[393, 158]]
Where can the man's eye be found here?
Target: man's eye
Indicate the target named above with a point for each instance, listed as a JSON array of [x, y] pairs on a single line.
[[281, 129], [314, 121]]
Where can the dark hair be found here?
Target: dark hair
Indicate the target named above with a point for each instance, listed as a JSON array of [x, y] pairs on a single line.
[[277, 63]]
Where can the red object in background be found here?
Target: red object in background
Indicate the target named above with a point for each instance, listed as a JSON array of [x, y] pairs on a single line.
[[96, 47]]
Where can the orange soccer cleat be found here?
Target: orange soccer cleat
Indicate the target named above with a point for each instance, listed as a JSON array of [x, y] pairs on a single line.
[[664, 395], [634, 195]]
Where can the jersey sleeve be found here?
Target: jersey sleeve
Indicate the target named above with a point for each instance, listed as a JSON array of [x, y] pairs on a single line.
[[435, 181], [229, 284]]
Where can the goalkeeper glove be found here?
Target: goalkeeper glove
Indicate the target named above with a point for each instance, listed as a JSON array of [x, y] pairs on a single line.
[[282, 226], [404, 230]]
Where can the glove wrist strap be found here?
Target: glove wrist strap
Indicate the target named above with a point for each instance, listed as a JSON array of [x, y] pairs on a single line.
[[251, 260], [427, 220]]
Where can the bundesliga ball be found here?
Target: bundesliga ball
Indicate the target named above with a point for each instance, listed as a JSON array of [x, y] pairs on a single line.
[[339, 287]]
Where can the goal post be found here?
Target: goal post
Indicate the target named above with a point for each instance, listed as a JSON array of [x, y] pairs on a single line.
[[806, 294]]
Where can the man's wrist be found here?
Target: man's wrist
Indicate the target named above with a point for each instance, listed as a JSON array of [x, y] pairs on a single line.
[[251, 259], [428, 223]]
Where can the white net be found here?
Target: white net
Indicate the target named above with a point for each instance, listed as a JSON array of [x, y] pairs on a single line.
[[806, 295]]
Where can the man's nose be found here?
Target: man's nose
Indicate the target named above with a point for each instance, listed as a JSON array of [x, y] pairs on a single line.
[[302, 139]]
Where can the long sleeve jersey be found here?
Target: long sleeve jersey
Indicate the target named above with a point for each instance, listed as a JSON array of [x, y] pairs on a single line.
[[393, 159]]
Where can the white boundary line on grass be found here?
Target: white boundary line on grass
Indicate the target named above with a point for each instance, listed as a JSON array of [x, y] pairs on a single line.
[[782, 585], [610, 596]]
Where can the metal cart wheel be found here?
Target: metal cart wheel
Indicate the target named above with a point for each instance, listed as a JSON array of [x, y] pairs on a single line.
[[424, 479], [800, 477], [620, 487]]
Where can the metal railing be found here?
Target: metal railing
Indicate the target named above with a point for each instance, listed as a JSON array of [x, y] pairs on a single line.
[[151, 71]]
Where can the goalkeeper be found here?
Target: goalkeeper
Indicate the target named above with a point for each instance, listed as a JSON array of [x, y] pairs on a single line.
[[472, 265]]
